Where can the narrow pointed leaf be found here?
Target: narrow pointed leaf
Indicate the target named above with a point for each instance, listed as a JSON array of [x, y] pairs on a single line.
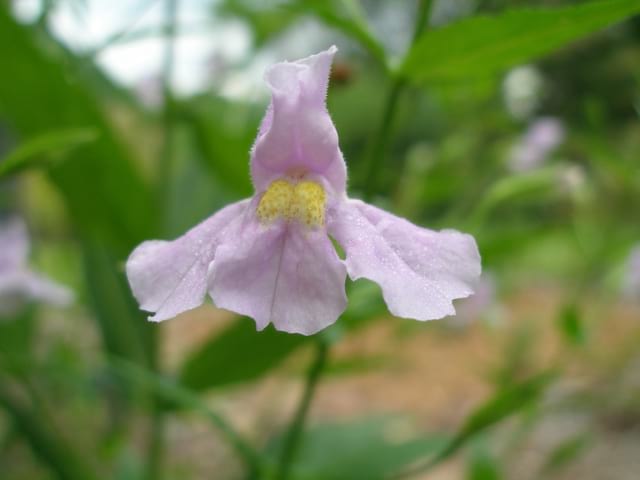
[[42, 90], [238, 354], [43, 150], [485, 45]]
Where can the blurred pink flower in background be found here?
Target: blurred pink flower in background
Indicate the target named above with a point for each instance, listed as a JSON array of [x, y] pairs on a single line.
[[543, 136], [632, 275], [271, 257], [482, 305], [149, 91], [18, 284]]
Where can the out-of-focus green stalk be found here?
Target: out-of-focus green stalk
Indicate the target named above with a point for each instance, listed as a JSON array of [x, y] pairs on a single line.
[[156, 434], [381, 141], [38, 430], [291, 442], [169, 114], [174, 394]]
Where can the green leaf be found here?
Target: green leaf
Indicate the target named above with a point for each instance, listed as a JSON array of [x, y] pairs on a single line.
[[571, 325], [223, 132], [120, 322], [365, 304], [357, 364], [564, 453], [192, 194], [172, 393], [45, 440], [44, 90], [486, 45], [365, 449], [504, 403], [238, 354], [482, 465], [16, 337], [43, 150], [516, 187]]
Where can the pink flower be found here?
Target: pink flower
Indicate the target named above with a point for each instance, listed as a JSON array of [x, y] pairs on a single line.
[[18, 284], [482, 305], [271, 257], [632, 274], [542, 137]]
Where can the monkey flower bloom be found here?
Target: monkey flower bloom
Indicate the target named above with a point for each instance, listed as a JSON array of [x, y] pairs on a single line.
[[271, 258], [542, 137], [18, 284]]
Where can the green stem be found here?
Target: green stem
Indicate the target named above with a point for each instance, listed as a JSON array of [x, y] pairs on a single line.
[[293, 435], [424, 11], [156, 443], [156, 433], [181, 397], [383, 136], [169, 114], [50, 448]]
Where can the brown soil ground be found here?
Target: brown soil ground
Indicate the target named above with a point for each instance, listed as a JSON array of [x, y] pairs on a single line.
[[435, 374]]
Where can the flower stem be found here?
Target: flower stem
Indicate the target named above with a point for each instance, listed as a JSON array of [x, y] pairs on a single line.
[[40, 433], [293, 435], [424, 12], [155, 447], [169, 110], [381, 142], [174, 393]]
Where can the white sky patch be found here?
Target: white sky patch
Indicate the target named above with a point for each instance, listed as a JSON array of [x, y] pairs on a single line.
[[209, 52], [26, 10], [196, 54], [201, 43], [134, 62]]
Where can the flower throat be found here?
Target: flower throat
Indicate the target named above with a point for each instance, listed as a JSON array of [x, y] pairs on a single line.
[[303, 201]]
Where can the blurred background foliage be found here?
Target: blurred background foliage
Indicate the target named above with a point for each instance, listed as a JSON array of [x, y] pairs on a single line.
[[513, 120]]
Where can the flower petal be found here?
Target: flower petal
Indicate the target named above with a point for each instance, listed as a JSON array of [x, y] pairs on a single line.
[[17, 287], [40, 288], [284, 274], [14, 244], [297, 133], [168, 278], [420, 271]]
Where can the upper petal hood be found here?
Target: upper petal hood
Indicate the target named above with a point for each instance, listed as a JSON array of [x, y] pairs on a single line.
[[297, 133]]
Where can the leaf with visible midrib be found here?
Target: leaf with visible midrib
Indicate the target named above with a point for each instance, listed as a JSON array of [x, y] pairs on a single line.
[[44, 90], [43, 149], [485, 45]]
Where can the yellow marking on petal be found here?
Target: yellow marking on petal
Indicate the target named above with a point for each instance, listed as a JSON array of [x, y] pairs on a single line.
[[276, 201], [308, 204], [303, 201]]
